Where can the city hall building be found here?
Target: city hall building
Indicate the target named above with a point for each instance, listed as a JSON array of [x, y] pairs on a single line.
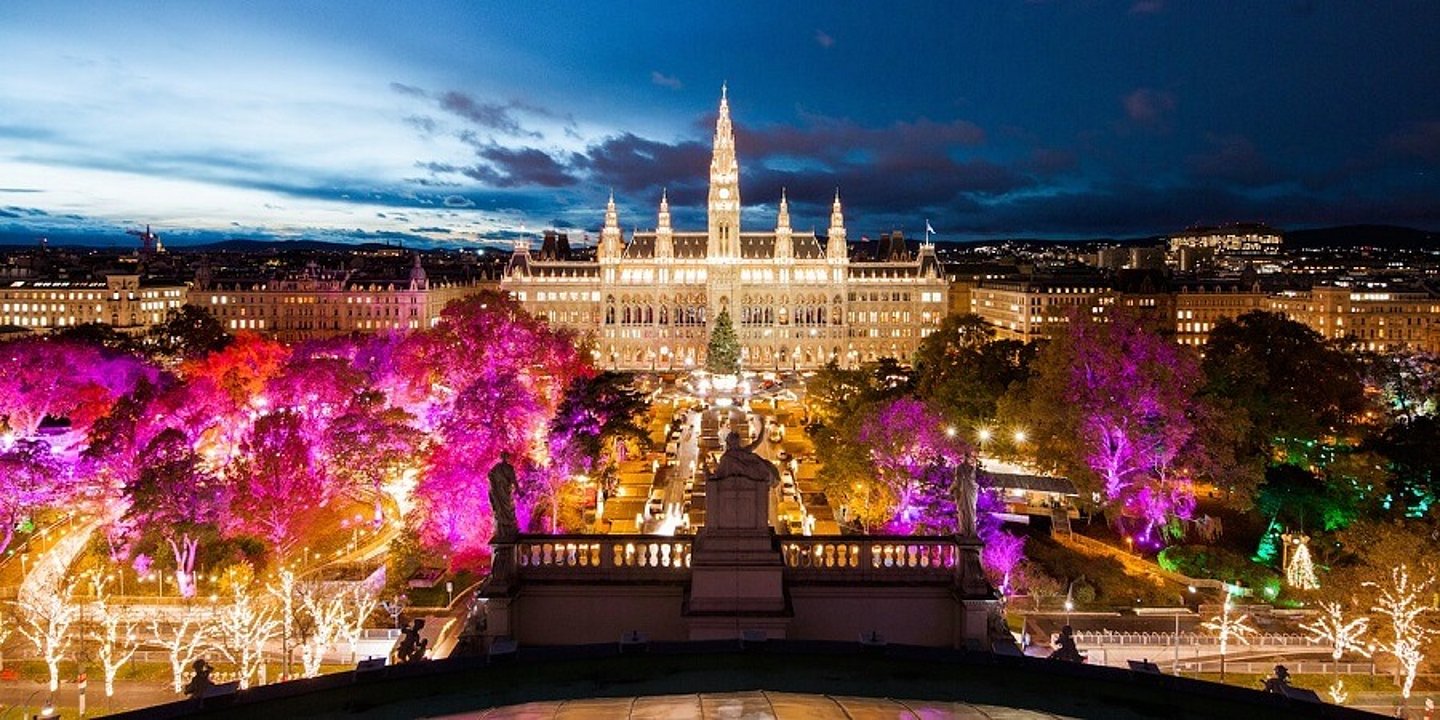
[[797, 300]]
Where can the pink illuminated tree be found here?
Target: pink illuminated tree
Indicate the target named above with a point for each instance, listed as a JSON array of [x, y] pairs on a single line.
[[32, 478], [277, 484], [43, 377], [176, 496], [1112, 406], [915, 458], [498, 376]]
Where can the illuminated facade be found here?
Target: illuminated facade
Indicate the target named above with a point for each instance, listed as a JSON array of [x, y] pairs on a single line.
[[796, 300], [1241, 238], [1031, 309], [1378, 320], [122, 301], [318, 304]]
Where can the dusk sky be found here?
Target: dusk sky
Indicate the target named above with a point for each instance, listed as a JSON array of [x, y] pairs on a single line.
[[470, 121]]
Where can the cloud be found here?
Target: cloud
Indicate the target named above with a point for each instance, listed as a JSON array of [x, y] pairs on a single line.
[[1148, 107], [1232, 159], [1417, 140], [20, 190], [410, 90], [488, 115], [522, 167], [666, 81], [630, 163], [426, 125], [458, 201], [824, 39]]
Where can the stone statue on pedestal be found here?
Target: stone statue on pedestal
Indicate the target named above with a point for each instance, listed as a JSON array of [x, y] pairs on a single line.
[[966, 495], [502, 500], [741, 461]]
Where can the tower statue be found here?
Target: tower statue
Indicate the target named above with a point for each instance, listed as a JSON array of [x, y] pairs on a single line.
[[502, 500]]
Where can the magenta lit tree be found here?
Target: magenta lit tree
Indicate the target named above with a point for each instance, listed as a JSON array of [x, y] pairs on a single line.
[[1111, 405], [497, 376], [915, 459], [278, 484], [32, 478], [174, 494], [43, 377]]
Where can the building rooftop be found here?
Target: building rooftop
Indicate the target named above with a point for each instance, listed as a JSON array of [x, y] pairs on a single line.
[[774, 679]]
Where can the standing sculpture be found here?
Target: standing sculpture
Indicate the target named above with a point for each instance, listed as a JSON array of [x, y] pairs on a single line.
[[741, 461], [502, 500], [966, 495]]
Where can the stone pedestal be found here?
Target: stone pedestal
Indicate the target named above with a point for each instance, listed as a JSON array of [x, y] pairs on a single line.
[[736, 571], [499, 591]]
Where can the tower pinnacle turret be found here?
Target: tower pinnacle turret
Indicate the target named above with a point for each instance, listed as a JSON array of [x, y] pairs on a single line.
[[724, 202], [664, 234], [784, 250], [610, 242], [836, 248]]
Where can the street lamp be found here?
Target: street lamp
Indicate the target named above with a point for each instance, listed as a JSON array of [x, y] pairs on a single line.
[[1019, 437]]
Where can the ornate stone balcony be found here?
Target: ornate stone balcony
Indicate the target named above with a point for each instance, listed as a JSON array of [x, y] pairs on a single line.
[[858, 558], [871, 558], [602, 557]]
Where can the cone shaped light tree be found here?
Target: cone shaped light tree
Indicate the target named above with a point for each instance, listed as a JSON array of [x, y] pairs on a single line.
[[722, 357]]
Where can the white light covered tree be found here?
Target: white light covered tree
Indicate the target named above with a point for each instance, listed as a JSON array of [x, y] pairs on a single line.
[[1405, 602], [325, 609], [283, 590], [46, 613], [114, 633], [360, 604], [183, 636], [1332, 628], [1300, 573], [243, 627], [1228, 626]]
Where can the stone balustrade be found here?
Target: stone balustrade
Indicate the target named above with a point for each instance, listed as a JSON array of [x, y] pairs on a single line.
[[834, 558], [892, 558], [625, 556]]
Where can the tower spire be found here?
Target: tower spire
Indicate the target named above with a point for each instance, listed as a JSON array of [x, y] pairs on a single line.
[[835, 248], [610, 243], [724, 201], [664, 235], [784, 250]]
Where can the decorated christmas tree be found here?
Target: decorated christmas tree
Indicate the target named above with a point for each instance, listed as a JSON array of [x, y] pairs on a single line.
[[722, 357]]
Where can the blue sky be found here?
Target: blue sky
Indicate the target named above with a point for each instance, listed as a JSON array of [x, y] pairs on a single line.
[[469, 121]]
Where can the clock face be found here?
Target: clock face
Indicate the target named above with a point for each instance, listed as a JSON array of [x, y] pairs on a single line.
[[724, 193]]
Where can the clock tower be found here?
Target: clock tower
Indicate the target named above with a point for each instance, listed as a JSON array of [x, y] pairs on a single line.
[[724, 206]]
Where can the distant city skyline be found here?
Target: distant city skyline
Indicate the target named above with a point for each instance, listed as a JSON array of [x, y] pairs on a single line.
[[463, 122]]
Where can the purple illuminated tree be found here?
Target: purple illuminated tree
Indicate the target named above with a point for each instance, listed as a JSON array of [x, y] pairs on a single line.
[[42, 377], [498, 375], [32, 478], [1111, 406], [915, 458], [176, 496], [278, 484], [595, 412]]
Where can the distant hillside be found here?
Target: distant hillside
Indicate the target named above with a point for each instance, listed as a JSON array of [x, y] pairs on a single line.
[[251, 246], [1380, 236]]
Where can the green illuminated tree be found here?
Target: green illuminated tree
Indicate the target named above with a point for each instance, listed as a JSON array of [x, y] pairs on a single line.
[[723, 354]]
